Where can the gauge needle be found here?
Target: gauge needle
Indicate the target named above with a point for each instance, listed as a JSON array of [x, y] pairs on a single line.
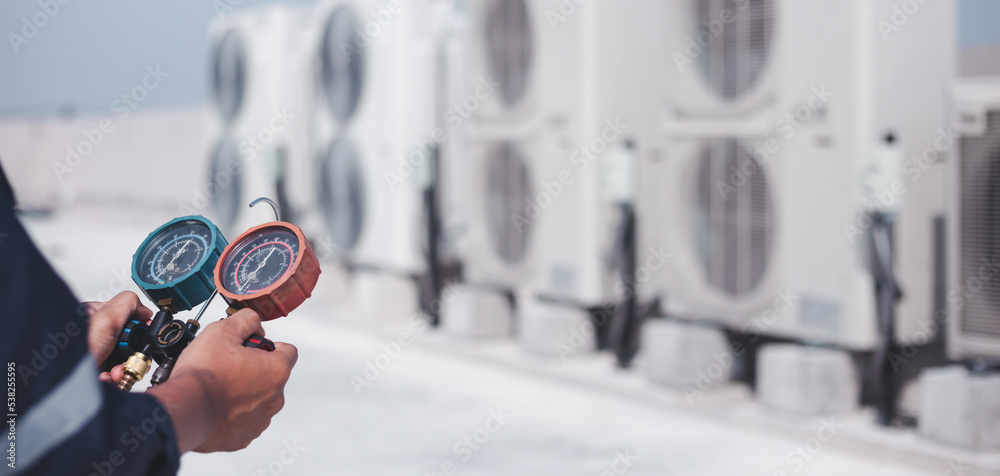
[[253, 274], [170, 265]]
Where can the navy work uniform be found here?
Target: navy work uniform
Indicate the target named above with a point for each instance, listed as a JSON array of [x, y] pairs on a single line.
[[67, 422]]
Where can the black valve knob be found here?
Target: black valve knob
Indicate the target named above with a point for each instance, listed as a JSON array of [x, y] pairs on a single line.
[[133, 338], [258, 342]]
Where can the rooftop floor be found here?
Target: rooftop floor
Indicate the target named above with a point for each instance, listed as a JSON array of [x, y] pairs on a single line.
[[444, 406]]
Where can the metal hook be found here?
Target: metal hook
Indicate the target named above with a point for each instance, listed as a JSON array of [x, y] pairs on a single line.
[[274, 206]]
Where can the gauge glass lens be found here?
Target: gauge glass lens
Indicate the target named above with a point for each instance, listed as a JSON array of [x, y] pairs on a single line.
[[174, 252], [260, 260]]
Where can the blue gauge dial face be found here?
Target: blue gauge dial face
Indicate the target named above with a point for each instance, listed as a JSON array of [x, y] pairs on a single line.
[[174, 252], [260, 260]]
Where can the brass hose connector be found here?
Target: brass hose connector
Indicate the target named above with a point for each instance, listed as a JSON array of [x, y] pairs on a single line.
[[135, 369]]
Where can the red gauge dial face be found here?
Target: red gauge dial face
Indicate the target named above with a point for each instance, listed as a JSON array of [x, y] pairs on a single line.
[[260, 260]]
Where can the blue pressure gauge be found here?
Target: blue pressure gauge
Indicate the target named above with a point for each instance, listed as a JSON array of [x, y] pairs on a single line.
[[177, 261]]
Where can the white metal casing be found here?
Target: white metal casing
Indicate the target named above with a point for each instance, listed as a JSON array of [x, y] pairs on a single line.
[[584, 66], [269, 128], [973, 317], [394, 116], [592, 70], [889, 72], [816, 277], [495, 113]]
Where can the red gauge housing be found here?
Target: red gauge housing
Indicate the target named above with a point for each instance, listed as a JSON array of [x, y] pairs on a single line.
[[295, 272]]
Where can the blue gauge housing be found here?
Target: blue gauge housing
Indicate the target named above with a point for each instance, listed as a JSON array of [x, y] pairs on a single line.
[[198, 243]]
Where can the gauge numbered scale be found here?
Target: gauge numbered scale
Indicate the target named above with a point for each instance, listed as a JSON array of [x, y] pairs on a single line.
[[177, 261], [270, 268]]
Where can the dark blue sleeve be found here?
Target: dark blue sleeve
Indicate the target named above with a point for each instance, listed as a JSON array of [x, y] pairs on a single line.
[[131, 435], [66, 422]]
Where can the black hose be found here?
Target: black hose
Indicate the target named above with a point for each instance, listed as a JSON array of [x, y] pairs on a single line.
[[887, 294], [625, 321], [431, 283]]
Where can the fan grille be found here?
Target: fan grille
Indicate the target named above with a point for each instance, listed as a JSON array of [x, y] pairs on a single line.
[[980, 229], [734, 59], [342, 193], [733, 219], [507, 191], [225, 176], [343, 64], [229, 74], [509, 47]]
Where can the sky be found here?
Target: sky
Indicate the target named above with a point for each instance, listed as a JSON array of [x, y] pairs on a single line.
[[87, 54]]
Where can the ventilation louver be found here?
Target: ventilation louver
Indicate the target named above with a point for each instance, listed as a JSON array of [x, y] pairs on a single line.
[[509, 47], [507, 192], [342, 64], [733, 218], [980, 228], [229, 74], [342, 194], [734, 60], [225, 182]]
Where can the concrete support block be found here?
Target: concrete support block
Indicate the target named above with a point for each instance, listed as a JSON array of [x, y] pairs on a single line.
[[476, 313], [806, 380], [551, 329], [683, 354], [334, 283], [959, 407], [383, 294]]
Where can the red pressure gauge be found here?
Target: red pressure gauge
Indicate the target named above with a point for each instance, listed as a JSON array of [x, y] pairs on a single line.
[[270, 268]]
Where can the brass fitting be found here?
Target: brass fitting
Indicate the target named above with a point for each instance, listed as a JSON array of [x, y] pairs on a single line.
[[168, 305], [135, 369]]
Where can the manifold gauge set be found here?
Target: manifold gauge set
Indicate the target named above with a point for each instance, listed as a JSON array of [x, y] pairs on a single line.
[[270, 268]]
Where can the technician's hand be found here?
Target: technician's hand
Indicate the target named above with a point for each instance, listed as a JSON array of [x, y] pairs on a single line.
[[106, 321], [222, 395]]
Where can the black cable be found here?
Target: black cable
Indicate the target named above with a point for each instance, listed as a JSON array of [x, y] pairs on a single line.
[[623, 333], [430, 281], [887, 294]]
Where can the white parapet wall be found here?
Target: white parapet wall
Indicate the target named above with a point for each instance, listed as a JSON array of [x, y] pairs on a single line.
[[150, 159]]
